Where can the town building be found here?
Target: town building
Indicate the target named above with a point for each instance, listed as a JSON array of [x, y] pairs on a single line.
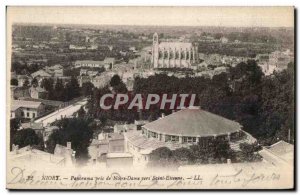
[[26, 109], [28, 156], [173, 54], [278, 154], [182, 129], [38, 93], [41, 74], [88, 63], [19, 92], [66, 152], [56, 70], [107, 63], [37, 127]]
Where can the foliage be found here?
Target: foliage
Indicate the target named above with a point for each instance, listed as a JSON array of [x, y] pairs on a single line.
[[248, 153], [59, 91], [14, 82], [115, 80], [81, 112], [264, 105], [162, 157], [75, 130], [14, 126], [87, 89], [26, 137], [217, 151]]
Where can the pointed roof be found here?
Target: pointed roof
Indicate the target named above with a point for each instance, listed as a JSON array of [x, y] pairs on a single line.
[[193, 122]]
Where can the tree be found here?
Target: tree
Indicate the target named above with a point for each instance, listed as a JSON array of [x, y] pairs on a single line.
[[34, 82], [59, 90], [115, 80], [249, 153], [27, 137], [71, 90], [14, 82], [81, 112], [74, 130], [26, 83], [87, 89], [183, 155], [14, 126], [162, 157], [47, 84]]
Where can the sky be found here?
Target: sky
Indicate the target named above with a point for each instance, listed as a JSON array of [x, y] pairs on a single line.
[[160, 16]]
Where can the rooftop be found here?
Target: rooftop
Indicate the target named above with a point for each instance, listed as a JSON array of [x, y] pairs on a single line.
[[63, 151], [177, 45], [193, 122], [283, 149], [119, 155], [26, 104], [34, 126], [115, 136], [148, 144], [27, 154]]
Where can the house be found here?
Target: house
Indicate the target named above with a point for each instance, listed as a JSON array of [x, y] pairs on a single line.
[[115, 142], [88, 63], [101, 80], [98, 150], [224, 40], [37, 127], [20, 92], [110, 62], [38, 93], [28, 156], [124, 128], [120, 160], [66, 152], [83, 79], [56, 70], [27, 109], [278, 154], [85, 72], [41, 74], [15, 112]]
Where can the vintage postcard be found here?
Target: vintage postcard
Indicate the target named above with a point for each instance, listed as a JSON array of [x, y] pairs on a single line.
[[150, 98]]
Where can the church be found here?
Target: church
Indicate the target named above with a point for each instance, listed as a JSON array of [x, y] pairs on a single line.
[[173, 54]]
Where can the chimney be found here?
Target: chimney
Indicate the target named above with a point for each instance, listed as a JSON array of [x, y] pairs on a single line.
[[228, 161], [69, 145]]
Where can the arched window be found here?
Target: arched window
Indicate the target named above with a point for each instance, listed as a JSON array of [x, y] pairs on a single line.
[[177, 55], [160, 54], [171, 54]]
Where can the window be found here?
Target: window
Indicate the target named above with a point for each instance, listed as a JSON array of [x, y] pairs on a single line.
[[22, 113], [33, 115], [27, 114], [189, 139], [174, 138]]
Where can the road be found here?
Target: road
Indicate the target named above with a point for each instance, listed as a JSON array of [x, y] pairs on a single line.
[[64, 112]]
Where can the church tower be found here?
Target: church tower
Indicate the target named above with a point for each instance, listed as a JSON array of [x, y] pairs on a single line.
[[155, 51]]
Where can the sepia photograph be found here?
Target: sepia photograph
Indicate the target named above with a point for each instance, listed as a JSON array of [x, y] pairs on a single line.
[[150, 98]]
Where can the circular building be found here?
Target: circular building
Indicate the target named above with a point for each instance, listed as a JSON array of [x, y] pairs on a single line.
[[192, 126]]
